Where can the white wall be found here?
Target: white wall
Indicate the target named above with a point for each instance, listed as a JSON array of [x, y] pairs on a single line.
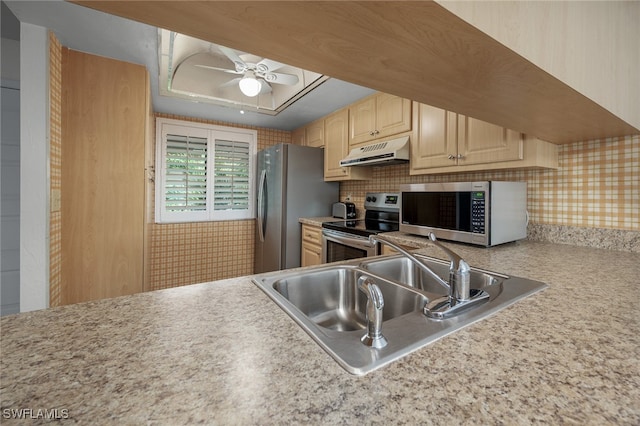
[[34, 171], [10, 194]]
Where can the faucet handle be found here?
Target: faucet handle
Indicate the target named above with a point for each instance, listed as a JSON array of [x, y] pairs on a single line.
[[375, 305], [457, 263], [459, 274]]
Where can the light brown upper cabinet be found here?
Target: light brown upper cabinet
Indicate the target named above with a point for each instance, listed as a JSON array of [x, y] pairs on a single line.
[[378, 116], [446, 142], [336, 134], [310, 135], [105, 129], [314, 134], [297, 136]]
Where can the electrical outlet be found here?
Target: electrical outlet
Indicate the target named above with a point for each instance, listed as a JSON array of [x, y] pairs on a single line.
[[55, 200]]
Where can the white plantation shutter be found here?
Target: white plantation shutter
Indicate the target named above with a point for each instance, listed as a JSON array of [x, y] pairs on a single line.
[[204, 172], [186, 173], [232, 177]]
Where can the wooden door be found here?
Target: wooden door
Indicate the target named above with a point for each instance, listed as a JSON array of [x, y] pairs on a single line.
[[435, 144], [393, 115], [104, 121], [481, 142]]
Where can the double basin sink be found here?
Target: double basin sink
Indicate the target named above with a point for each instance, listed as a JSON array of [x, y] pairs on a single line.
[[327, 303]]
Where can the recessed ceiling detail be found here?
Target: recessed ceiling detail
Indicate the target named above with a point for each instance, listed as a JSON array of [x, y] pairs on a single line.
[[205, 72]]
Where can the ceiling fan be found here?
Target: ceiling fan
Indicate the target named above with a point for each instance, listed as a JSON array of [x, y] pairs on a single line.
[[256, 78]]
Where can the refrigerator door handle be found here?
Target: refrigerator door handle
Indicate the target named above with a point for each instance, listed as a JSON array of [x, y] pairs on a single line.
[[261, 221]]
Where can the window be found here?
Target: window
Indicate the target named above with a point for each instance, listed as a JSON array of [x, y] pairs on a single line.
[[204, 172]]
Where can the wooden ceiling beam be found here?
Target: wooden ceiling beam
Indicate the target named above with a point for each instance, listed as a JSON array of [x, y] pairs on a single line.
[[414, 49]]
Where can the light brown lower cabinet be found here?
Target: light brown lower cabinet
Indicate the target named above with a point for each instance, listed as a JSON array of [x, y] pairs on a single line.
[[311, 251], [105, 126]]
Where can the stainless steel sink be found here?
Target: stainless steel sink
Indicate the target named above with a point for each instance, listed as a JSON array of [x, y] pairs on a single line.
[[326, 303], [330, 298], [406, 272]]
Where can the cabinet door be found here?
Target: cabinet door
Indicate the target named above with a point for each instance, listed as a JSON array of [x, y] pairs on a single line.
[[298, 136], [104, 120], [393, 115], [482, 142], [311, 247], [312, 234], [337, 147], [435, 144], [314, 134], [337, 144], [311, 254], [362, 121]]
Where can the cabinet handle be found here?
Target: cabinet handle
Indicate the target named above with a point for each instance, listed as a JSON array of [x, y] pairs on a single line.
[[371, 133], [460, 157], [375, 132], [451, 157]]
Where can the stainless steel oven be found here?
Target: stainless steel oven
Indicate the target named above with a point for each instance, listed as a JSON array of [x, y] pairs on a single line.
[[349, 239], [338, 245]]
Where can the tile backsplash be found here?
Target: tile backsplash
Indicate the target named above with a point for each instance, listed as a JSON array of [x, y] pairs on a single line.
[[597, 185]]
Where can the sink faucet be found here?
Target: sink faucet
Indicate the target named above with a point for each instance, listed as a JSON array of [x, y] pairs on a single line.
[[460, 295], [375, 304]]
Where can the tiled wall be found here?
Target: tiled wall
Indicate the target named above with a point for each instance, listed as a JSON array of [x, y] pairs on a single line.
[[596, 186], [55, 146], [196, 252]]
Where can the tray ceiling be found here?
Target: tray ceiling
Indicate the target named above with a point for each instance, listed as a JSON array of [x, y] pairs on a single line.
[[200, 71]]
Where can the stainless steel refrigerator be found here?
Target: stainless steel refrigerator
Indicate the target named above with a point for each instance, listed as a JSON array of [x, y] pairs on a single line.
[[290, 186]]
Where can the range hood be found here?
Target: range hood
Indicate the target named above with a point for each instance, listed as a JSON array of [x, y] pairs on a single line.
[[385, 153]]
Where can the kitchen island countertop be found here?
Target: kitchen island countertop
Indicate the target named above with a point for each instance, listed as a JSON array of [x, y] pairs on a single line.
[[223, 352]]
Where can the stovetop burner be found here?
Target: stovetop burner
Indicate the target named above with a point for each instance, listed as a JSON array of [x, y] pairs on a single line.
[[364, 227]]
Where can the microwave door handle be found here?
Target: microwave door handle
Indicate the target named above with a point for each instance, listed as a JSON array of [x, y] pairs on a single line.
[[261, 205]]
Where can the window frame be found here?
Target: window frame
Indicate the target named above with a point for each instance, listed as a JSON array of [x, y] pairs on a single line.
[[211, 132]]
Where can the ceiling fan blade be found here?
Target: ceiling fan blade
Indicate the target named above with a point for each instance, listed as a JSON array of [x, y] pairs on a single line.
[[241, 65], [265, 87], [231, 82], [219, 69], [281, 78], [267, 65]]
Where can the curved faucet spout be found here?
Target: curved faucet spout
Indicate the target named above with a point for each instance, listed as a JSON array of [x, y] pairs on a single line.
[[415, 260]]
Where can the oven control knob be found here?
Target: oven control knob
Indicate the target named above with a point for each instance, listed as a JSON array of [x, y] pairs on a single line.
[[373, 199]]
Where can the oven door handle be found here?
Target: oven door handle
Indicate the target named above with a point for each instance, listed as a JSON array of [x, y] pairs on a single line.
[[363, 243]]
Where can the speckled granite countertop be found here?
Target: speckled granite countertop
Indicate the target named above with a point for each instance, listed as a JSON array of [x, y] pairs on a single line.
[[317, 221], [223, 353]]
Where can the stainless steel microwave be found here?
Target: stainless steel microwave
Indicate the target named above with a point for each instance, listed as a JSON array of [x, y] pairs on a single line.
[[482, 213]]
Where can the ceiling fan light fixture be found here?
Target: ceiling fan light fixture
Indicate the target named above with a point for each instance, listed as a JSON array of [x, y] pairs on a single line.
[[249, 85]]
